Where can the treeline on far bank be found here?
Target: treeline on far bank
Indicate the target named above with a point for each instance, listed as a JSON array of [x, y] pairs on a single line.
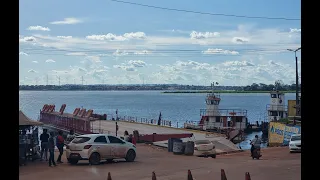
[[269, 87]]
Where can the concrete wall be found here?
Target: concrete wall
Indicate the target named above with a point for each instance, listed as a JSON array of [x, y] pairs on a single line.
[[279, 134]]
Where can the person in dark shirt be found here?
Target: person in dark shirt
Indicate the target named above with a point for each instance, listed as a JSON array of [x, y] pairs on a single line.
[[44, 137], [60, 144], [51, 149]]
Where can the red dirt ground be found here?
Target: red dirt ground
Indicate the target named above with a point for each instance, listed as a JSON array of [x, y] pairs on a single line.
[[275, 164]]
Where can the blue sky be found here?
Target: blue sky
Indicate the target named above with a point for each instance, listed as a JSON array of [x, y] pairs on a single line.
[[116, 43]]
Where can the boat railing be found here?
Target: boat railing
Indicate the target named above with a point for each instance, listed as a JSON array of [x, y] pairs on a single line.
[[223, 112], [271, 107]]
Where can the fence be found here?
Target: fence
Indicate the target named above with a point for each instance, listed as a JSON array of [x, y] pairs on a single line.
[[142, 120], [190, 177]]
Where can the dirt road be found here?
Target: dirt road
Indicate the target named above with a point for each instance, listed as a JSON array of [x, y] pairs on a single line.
[[276, 164]]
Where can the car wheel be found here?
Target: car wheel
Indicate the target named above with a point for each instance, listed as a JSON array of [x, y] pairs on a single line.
[[73, 161], [213, 156], [131, 155], [109, 160], [95, 159]]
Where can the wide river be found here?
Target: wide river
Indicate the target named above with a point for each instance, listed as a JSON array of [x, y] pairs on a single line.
[[144, 104]]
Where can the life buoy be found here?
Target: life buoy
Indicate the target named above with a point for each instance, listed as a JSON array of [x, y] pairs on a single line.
[[231, 123], [280, 101]]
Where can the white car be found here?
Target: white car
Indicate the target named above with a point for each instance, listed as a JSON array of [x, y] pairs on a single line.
[[295, 143], [204, 148], [97, 147]]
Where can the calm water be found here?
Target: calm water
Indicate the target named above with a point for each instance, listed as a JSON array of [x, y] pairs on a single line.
[[144, 104]]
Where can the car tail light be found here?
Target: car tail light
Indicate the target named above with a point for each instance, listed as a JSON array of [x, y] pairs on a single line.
[[67, 147], [87, 146], [195, 148]]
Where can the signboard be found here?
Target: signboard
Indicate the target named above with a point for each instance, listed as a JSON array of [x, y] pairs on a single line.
[[276, 132], [290, 130], [281, 133], [291, 109]]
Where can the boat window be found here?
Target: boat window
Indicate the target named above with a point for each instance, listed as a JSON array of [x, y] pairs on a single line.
[[273, 95], [101, 139], [79, 140], [279, 95], [216, 102], [218, 119], [238, 118], [273, 113], [296, 138]]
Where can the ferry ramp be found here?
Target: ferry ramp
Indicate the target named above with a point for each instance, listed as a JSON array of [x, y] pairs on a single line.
[[222, 144]]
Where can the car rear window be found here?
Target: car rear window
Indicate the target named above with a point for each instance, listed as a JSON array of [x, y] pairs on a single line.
[[202, 142], [295, 138], [79, 140]]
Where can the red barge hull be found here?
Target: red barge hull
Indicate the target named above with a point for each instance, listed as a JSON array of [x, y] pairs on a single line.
[[81, 122]]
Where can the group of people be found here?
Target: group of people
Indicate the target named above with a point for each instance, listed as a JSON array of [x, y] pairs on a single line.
[[49, 142]]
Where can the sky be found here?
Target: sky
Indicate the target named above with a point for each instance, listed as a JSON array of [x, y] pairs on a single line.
[[108, 42]]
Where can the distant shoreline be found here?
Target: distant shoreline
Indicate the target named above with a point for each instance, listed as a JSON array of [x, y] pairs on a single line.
[[208, 91], [173, 92]]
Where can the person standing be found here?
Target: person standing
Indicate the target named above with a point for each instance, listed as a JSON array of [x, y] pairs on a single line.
[[60, 144], [44, 138], [51, 150], [70, 136]]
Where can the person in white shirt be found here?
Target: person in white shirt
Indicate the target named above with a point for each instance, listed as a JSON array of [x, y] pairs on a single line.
[[70, 136]]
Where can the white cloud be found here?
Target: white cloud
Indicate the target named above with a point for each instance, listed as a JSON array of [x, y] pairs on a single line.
[[27, 39], [35, 61], [131, 65], [32, 71], [203, 35], [240, 40], [135, 35], [144, 52], [295, 30], [64, 37], [76, 54], [120, 53], [38, 28], [23, 54], [109, 37], [95, 59], [124, 67], [137, 63], [238, 63], [70, 20], [50, 61], [220, 51], [114, 37]]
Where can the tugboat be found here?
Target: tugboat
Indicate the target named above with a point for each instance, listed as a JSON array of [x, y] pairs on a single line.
[[231, 122], [276, 110]]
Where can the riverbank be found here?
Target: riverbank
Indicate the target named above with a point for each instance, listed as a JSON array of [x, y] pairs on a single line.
[[169, 166], [209, 91]]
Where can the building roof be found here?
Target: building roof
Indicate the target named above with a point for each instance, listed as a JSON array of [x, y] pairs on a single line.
[[25, 121]]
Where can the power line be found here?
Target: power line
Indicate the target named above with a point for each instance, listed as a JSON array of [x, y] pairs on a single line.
[[206, 13]]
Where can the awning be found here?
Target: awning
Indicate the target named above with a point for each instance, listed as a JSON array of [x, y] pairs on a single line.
[[25, 121]]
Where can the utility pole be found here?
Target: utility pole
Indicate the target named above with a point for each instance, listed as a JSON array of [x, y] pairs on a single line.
[[47, 79], [297, 81]]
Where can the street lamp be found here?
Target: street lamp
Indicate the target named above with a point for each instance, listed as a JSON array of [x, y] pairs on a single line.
[[297, 79]]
